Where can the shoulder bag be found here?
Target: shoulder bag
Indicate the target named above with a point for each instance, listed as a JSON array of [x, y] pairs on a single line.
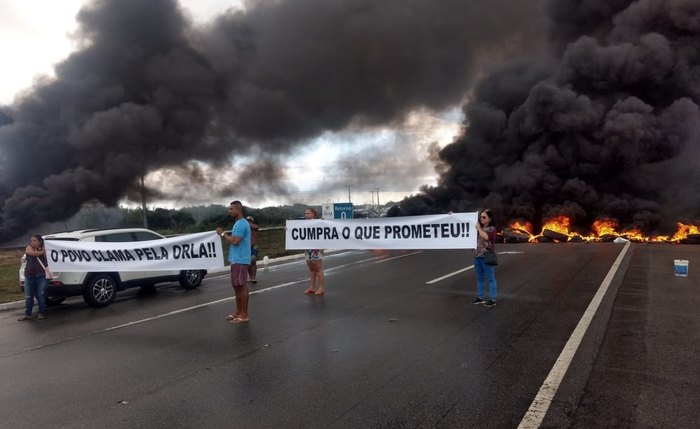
[[490, 258]]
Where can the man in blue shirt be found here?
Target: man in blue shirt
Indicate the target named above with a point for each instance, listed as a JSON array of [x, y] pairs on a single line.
[[239, 258]]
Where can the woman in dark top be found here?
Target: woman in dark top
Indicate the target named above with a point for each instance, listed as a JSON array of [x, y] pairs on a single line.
[[485, 242], [34, 277]]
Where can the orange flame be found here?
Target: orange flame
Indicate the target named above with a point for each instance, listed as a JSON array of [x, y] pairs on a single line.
[[559, 224], [522, 226], [603, 227], [635, 234], [683, 231]]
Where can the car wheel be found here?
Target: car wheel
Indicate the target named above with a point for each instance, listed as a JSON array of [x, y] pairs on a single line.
[[54, 300], [190, 279], [100, 290]]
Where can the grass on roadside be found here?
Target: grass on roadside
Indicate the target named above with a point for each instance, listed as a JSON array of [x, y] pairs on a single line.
[[271, 244], [9, 279]]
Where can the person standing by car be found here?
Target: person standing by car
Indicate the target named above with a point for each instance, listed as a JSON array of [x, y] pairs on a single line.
[[239, 258], [34, 278], [253, 269], [485, 242]]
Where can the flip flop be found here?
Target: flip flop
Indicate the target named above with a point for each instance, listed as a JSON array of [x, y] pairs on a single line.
[[318, 292], [238, 321], [309, 291], [231, 317]]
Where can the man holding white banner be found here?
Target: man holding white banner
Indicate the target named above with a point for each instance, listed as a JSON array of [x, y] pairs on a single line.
[[239, 257], [446, 231]]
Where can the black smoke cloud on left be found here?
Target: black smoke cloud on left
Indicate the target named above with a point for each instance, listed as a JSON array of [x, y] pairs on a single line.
[[146, 89]]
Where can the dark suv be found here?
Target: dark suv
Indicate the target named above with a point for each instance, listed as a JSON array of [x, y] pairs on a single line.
[[100, 288]]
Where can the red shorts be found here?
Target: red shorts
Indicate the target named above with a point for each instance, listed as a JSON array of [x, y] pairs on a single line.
[[239, 275]]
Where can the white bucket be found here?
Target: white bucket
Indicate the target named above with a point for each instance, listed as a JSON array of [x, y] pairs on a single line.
[[680, 267]]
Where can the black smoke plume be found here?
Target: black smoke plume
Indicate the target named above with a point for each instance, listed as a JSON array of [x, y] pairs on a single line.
[[147, 89], [606, 126]]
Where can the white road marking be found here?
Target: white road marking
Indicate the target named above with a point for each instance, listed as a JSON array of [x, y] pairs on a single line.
[[396, 257], [449, 275], [171, 313], [194, 307], [206, 304], [159, 316], [540, 405], [508, 252]]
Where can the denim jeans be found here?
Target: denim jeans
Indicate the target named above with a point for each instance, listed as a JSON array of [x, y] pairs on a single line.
[[34, 286], [484, 271]]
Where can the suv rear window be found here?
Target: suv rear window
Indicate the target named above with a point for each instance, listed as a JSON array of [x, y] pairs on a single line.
[[146, 236], [122, 237], [117, 237]]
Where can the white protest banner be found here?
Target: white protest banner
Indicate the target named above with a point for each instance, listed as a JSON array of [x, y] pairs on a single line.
[[199, 251], [455, 231]]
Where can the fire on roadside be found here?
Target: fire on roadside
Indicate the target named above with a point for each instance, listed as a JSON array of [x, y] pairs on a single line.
[[559, 229]]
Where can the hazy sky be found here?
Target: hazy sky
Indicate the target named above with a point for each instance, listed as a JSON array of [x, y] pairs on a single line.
[[585, 109], [36, 34]]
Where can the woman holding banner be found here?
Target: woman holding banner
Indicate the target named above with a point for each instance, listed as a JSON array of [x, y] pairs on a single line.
[[314, 260], [485, 242], [34, 277]]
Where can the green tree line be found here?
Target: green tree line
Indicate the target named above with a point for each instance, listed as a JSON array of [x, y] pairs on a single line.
[[178, 221]]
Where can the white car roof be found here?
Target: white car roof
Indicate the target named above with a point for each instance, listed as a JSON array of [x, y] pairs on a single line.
[[81, 234]]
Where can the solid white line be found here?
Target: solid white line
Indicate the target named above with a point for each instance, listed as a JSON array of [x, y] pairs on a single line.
[[396, 257], [510, 252], [449, 275], [206, 304], [540, 405], [182, 310]]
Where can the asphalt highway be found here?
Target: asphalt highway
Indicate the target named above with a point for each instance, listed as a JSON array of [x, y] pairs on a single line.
[[395, 342]]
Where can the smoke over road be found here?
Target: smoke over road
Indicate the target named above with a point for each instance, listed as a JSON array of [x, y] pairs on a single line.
[[606, 126], [147, 89]]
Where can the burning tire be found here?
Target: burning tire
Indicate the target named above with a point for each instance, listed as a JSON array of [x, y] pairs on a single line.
[[554, 235], [691, 239], [511, 235]]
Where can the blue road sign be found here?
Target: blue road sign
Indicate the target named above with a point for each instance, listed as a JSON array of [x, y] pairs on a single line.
[[342, 211]]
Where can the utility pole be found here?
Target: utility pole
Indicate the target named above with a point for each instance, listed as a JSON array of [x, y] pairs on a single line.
[[143, 202], [349, 199], [377, 198]]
